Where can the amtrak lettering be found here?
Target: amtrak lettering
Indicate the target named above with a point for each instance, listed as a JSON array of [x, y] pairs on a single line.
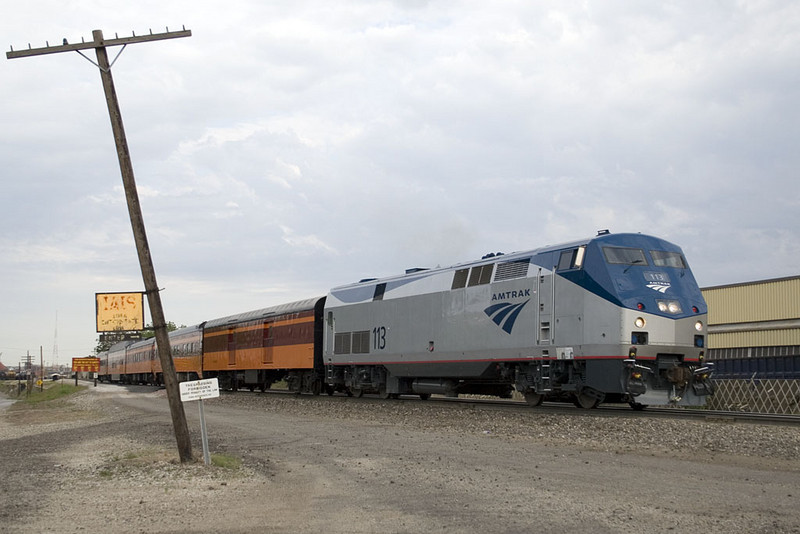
[[511, 295]]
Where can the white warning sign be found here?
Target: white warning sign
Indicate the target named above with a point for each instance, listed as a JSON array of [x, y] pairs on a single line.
[[199, 389]]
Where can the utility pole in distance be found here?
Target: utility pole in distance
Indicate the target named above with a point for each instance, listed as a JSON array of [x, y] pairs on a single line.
[[134, 210]]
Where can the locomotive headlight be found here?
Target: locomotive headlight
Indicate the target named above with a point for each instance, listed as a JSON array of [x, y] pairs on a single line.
[[698, 326], [640, 322], [669, 306]]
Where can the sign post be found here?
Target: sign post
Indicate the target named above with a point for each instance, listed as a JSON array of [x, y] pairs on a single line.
[[199, 390]]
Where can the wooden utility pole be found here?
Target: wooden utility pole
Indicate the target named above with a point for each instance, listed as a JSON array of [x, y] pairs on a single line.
[[134, 209]]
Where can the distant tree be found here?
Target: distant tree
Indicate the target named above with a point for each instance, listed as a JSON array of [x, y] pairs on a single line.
[[102, 346], [148, 332]]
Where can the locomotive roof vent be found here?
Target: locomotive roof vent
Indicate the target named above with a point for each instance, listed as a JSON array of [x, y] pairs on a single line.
[[416, 270], [603, 232], [492, 255]]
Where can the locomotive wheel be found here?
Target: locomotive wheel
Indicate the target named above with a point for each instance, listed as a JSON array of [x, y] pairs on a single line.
[[534, 399], [585, 401], [638, 406], [382, 393], [424, 396], [357, 392]]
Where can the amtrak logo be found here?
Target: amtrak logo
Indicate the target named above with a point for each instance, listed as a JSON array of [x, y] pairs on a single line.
[[505, 314], [661, 287], [657, 281]]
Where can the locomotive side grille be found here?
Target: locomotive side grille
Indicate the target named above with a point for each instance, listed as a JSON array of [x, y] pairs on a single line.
[[512, 269], [361, 342], [351, 342], [341, 343]]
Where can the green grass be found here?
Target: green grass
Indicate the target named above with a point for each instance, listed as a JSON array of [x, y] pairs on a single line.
[[52, 391], [226, 461]]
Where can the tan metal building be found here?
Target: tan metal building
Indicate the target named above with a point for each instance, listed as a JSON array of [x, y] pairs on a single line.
[[754, 341], [754, 314]]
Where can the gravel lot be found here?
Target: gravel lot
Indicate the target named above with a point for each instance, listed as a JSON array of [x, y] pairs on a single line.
[[106, 462]]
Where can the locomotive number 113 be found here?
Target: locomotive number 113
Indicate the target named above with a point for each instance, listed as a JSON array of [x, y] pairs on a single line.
[[379, 338]]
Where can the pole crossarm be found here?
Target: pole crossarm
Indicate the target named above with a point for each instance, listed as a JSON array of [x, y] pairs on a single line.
[[97, 44]]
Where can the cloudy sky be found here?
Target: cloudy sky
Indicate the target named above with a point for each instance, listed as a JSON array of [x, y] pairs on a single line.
[[288, 147]]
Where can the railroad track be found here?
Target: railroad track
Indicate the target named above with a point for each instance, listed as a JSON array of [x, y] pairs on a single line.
[[604, 410], [613, 410]]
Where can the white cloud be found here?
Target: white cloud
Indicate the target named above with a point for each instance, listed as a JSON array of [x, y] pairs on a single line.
[[307, 244]]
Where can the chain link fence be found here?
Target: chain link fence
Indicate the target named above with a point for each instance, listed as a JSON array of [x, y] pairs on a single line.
[[757, 396]]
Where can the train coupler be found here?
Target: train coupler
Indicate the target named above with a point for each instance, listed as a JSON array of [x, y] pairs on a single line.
[[701, 383], [635, 378]]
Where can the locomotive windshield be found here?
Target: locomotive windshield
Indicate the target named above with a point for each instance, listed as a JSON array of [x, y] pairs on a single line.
[[624, 256], [662, 258]]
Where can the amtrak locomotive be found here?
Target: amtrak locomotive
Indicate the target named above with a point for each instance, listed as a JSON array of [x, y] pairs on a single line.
[[614, 318]]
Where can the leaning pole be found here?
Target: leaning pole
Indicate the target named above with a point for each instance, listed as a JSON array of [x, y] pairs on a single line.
[[134, 210]]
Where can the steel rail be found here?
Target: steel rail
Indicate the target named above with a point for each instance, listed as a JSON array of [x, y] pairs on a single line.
[[604, 410]]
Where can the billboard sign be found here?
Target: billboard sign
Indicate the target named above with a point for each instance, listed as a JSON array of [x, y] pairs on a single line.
[[85, 365], [119, 311]]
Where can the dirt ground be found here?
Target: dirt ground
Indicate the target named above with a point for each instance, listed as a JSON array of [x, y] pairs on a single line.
[[106, 462]]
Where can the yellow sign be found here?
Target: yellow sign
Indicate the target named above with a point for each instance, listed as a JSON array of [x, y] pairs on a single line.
[[119, 311], [85, 365]]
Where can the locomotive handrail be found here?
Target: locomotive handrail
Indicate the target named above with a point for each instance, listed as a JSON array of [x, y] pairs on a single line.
[[708, 368], [633, 365]]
